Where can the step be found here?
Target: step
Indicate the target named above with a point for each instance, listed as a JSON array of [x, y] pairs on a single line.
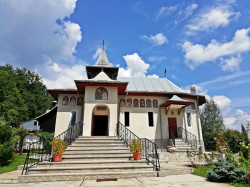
[[88, 169], [93, 163], [98, 142], [78, 148], [83, 176], [96, 157], [97, 145], [97, 137], [85, 152]]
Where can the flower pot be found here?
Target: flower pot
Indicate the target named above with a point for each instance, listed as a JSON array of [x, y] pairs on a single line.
[[137, 155], [57, 157], [172, 149]]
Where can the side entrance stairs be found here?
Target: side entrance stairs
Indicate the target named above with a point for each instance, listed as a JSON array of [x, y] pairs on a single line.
[[93, 157], [183, 146]]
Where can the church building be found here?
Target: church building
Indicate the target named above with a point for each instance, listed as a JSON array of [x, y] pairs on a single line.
[[152, 108]]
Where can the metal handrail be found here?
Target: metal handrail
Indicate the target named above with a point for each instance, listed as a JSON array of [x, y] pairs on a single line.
[[187, 137], [149, 148], [171, 135], [37, 153]]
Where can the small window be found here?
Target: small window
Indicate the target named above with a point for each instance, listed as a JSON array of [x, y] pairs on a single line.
[[122, 102], [129, 102], [136, 103], [148, 103], [150, 119], [127, 119], [73, 118], [189, 119], [155, 103], [142, 103]]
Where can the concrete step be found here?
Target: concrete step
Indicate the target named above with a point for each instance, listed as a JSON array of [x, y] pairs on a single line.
[[87, 169], [83, 176], [97, 145], [96, 157], [86, 152], [98, 142], [93, 163], [97, 137], [78, 148]]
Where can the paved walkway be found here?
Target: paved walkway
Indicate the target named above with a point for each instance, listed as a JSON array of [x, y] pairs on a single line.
[[10, 180]]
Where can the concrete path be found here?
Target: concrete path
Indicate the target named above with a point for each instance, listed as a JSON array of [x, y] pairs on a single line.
[[172, 180]]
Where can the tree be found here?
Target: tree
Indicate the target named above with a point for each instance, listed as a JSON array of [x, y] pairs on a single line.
[[23, 95], [212, 123]]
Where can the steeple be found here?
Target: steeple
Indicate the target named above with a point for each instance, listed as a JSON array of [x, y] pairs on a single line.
[[102, 64]]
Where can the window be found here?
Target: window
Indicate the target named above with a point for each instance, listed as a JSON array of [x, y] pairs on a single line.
[[189, 119], [127, 119], [150, 119], [73, 118]]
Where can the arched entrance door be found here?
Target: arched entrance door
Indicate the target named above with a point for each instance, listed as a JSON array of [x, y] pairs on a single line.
[[100, 121]]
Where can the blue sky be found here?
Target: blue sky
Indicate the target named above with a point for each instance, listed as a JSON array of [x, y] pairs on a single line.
[[201, 43]]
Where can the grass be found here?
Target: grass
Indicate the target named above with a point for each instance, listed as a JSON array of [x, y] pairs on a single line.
[[202, 170], [19, 160]]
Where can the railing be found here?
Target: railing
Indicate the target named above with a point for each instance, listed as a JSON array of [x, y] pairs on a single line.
[[187, 137], [171, 136], [37, 153], [149, 149]]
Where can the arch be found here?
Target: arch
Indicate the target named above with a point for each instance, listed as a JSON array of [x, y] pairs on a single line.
[[148, 103], [100, 120]]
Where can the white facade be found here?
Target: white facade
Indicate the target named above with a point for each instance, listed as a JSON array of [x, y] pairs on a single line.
[[101, 113]]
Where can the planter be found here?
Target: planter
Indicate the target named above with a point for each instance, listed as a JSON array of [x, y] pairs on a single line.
[[57, 157], [137, 155], [172, 149]]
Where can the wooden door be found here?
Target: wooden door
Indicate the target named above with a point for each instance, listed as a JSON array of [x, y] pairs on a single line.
[[173, 126]]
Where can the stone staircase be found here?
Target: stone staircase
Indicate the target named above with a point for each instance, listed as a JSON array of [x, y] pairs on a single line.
[[182, 146], [94, 157]]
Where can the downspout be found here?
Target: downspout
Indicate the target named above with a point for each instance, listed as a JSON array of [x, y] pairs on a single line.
[[197, 119], [161, 128]]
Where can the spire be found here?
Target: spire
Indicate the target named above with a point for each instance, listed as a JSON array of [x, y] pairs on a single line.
[[103, 59]]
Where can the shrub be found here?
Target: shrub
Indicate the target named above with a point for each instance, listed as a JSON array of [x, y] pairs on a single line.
[[135, 146], [209, 140], [58, 146], [6, 143], [46, 137], [226, 172]]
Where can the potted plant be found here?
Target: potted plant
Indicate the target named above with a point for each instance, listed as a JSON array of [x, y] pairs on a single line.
[[136, 149], [58, 147]]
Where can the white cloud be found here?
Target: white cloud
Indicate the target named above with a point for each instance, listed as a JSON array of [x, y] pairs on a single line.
[[224, 103], [165, 11], [63, 76], [196, 54], [153, 76], [235, 121], [211, 19], [156, 58], [231, 64], [34, 31], [136, 67], [158, 39], [190, 9]]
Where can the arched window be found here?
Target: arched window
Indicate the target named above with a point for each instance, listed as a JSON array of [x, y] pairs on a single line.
[[155, 103], [142, 103], [136, 103], [79, 101], [122, 102], [148, 103], [101, 93], [65, 100], [72, 101], [129, 102]]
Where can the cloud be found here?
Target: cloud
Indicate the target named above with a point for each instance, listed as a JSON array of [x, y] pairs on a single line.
[[136, 67], [97, 52], [196, 54], [235, 121], [153, 76], [165, 11], [211, 19], [33, 31], [63, 76], [224, 103], [156, 58], [158, 39], [231, 64], [190, 9]]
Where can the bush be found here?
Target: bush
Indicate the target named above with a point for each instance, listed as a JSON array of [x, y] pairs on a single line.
[[47, 137], [209, 140], [226, 172], [7, 140]]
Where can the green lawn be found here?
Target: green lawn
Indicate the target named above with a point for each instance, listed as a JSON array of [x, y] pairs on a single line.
[[19, 160]]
